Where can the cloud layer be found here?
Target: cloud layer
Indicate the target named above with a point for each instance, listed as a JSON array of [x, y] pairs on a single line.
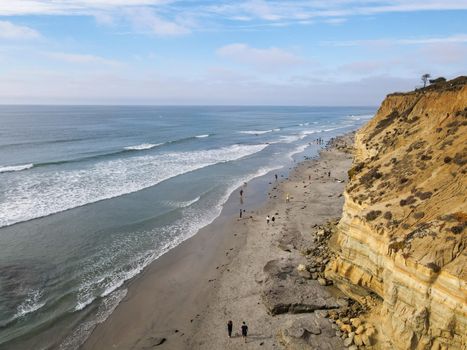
[[267, 58], [12, 31]]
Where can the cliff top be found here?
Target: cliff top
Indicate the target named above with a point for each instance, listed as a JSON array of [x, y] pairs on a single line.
[[440, 86]]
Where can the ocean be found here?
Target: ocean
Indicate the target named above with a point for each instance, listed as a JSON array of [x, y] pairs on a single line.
[[90, 195]]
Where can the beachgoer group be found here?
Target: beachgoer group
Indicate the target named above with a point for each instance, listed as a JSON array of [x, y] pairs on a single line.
[[243, 329]]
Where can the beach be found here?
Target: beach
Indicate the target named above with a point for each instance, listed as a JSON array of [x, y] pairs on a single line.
[[184, 299]]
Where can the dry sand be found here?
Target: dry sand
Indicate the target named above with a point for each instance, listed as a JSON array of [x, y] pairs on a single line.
[[188, 295]]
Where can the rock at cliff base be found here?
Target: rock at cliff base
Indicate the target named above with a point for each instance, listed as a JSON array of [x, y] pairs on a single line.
[[285, 291]]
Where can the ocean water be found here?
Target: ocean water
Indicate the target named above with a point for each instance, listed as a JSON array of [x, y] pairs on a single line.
[[90, 195]]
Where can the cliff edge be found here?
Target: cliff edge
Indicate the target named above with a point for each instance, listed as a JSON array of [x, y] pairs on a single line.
[[402, 238]]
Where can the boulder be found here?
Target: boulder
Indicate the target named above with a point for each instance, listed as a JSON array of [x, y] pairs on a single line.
[[360, 329], [311, 332], [356, 322], [285, 290], [348, 342]]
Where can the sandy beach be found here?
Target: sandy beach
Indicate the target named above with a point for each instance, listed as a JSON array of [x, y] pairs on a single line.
[[185, 298]]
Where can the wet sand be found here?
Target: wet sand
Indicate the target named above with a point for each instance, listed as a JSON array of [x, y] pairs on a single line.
[[185, 298]]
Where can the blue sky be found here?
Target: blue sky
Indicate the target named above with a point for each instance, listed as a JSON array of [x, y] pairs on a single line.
[[318, 52]]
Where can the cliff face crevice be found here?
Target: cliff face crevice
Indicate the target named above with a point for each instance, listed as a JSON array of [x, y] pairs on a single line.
[[403, 232]]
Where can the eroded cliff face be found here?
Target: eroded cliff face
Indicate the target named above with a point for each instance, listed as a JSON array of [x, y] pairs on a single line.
[[402, 237]]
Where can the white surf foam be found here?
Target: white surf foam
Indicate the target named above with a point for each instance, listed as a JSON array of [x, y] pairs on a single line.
[[142, 146], [9, 168], [82, 332], [182, 204], [202, 136], [30, 304], [309, 132], [289, 138], [36, 195], [360, 117], [296, 150], [255, 132]]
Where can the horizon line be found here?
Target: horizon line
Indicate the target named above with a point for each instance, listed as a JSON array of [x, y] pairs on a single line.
[[167, 105]]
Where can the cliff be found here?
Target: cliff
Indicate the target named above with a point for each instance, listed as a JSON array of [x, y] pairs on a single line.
[[402, 238]]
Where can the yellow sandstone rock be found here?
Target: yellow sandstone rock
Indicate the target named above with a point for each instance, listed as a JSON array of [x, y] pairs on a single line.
[[356, 322], [402, 235], [358, 340], [366, 340], [370, 331], [346, 328], [360, 329]]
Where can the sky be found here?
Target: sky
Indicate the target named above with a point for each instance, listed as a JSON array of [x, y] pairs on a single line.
[[244, 52]]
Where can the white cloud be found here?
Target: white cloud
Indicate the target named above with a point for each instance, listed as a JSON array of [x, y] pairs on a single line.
[[445, 53], [68, 7], [334, 10], [335, 20], [9, 30], [241, 10], [415, 5], [145, 20], [81, 58], [363, 68], [457, 38], [261, 9], [272, 57]]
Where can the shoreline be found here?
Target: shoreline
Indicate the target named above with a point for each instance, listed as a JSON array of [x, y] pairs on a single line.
[[183, 299]]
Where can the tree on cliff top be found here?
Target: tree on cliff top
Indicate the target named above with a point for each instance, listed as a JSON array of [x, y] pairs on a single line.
[[425, 78], [438, 80]]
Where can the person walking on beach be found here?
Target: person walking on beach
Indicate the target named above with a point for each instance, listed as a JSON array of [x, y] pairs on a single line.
[[275, 176], [244, 331], [241, 193], [287, 199], [267, 219], [241, 211], [229, 328], [273, 219]]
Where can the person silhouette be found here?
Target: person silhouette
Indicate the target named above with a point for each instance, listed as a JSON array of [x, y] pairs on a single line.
[[244, 330]]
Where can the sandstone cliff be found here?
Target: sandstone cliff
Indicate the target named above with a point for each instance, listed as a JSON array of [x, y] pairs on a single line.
[[402, 238]]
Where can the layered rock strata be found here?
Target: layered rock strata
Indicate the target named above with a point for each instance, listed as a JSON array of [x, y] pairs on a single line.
[[402, 237]]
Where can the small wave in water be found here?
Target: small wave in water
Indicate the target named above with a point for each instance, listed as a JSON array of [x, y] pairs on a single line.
[[143, 146], [298, 149], [255, 132], [9, 168], [202, 136], [30, 304], [360, 117], [182, 204], [82, 332]]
